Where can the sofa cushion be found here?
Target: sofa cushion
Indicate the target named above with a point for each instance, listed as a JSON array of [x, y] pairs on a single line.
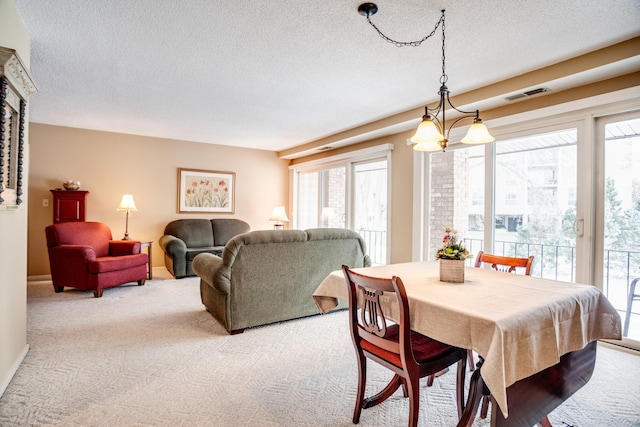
[[225, 229], [194, 232], [115, 263], [192, 252]]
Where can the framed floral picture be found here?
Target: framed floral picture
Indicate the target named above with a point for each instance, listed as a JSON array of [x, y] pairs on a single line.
[[206, 191]]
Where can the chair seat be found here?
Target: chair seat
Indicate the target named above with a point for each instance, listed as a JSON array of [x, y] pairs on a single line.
[[110, 263], [424, 348]]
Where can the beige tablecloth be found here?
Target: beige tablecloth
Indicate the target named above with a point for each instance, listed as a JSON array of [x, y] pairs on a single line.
[[520, 325]]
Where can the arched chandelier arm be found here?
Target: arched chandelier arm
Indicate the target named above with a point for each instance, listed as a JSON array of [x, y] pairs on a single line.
[[468, 113], [455, 122]]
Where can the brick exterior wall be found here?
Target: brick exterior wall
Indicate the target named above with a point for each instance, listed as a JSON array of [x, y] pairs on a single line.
[[449, 195]]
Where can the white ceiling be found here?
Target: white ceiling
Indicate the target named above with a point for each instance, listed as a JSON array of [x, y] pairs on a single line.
[[281, 73]]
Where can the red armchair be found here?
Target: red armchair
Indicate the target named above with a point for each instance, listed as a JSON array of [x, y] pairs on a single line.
[[83, 255]]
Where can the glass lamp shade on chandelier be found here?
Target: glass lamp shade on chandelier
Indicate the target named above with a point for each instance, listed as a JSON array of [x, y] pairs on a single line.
[[433, 134]]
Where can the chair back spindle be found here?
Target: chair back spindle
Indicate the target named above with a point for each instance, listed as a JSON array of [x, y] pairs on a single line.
[[504, 263]]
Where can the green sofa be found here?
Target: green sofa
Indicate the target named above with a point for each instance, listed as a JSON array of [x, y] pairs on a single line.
[[183, 239], [269, 276]]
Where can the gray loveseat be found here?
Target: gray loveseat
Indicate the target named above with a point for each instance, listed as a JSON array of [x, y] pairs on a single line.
[[269, 276], [183, 239]]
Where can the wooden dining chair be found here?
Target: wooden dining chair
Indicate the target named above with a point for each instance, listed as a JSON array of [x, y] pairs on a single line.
[[504, 263], [394, 345]]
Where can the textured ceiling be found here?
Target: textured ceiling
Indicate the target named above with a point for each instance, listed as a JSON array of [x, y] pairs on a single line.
[[281, 73]]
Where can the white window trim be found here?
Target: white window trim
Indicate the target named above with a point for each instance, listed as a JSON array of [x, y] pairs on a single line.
[[351, 156]]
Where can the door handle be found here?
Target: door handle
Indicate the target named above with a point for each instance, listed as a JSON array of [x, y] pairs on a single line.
[[578, 227]]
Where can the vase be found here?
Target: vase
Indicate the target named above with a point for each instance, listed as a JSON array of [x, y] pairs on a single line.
[[452, 270]]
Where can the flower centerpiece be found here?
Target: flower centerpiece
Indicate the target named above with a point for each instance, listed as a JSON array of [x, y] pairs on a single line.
[[451, 256]]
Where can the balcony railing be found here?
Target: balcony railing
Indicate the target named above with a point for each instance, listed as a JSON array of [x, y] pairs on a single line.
[[376, 245], [558, 262], [550, 261]]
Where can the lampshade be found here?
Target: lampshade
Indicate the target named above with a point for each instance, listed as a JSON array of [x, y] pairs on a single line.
[[427, 132], [477, 134], [279, 214], [427, 146], [327, 213], [127, 203]]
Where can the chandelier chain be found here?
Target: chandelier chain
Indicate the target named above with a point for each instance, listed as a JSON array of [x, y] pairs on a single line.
[[444, 77], [415, 43]]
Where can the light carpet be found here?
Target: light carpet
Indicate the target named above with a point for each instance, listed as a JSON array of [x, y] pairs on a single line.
[[152, 356]]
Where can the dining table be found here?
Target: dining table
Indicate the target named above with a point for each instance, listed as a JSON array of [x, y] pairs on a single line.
[[535, 337]]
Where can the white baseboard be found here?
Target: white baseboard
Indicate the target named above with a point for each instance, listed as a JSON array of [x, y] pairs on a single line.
[[13, 370]]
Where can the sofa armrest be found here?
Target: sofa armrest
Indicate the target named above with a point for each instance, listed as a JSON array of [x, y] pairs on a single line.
[[124, 247], [206, 266], [65, 256], [173, 246], [84, 252]]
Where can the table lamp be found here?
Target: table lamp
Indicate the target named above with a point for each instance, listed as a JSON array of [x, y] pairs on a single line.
[[326, 215], [279, 215], [127, 205]]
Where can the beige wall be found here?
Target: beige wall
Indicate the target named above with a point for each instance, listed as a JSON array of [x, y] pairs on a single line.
[[110, 164], [401, 210], [13, 232]]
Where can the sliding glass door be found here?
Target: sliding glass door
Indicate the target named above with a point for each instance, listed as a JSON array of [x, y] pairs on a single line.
[[618, 216], [348, 194], [535, 201], [370, 213], [527, 187], [321, 198]]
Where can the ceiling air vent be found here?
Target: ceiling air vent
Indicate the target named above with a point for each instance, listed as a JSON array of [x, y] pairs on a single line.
[[527, 93]]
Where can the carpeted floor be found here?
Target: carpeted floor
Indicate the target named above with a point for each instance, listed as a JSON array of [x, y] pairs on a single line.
[[152, 356]]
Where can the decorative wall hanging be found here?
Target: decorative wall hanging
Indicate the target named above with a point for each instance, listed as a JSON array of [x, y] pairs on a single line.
[[15, 88], [206, 191]]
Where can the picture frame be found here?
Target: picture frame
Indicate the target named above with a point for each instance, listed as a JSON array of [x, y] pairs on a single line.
[[206, 191]]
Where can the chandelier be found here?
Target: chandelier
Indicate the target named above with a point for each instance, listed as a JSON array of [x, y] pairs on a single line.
[[433, 134]]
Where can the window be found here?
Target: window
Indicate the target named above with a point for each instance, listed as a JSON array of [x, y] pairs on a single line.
[[533, 193], [370, 207], [349, 192]]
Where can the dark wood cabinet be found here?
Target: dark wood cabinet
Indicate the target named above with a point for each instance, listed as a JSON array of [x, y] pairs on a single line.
[[69, 205]]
